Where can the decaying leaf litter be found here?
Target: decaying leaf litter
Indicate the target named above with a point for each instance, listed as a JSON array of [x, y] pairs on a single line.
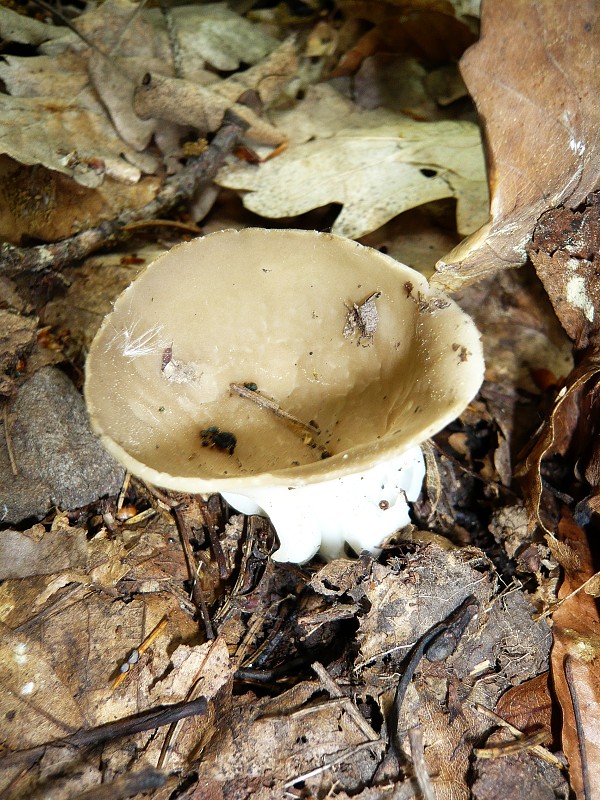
[[122, 603]]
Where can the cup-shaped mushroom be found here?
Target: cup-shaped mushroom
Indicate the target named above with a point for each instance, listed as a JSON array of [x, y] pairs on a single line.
[[295, 372]]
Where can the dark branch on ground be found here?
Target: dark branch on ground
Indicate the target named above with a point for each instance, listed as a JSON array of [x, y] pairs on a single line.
[[178, 189], [147, 720]]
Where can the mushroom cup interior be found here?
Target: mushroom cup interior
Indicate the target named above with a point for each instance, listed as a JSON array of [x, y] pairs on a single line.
[[281, 311]]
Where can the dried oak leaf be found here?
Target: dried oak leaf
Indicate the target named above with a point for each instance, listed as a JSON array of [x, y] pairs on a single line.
[[126, 46], [536, 91], [527, 706], [40, 552], [261, 747], [68, 138], [375, 163], [214, 34], [574, 666], [26, 30], [569, 426]]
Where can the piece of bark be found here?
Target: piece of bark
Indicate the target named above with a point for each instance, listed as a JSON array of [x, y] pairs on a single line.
[[564, 252]]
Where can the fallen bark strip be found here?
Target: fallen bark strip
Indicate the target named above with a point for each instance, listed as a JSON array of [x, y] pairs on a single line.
[[147, 720], [178, 189], [143, 780]]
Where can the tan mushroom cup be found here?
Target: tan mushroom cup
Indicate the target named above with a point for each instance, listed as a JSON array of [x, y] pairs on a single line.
[[294, 372]]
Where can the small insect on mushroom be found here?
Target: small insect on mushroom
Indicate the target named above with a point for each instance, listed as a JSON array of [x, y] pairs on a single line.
[[221, 440]]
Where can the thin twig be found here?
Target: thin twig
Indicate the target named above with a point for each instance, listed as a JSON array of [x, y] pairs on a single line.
[[513, 747], [351, 709], [167, 15], [178, 189], [123, 490], [146, 514], [252, 675], [135, 654], [347, 754], [308, 431], [188, 552], [164, 223], [215, 542], [264, 402], [417, 752]]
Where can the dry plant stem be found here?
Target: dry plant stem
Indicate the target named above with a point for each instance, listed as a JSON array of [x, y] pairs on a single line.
[[345, 756], [167, 14], [417, 753], [149, 512], [138, 651], [248, 655], [504, 749], [123, 490], [560, 602], [143, 780], [215, 542], [581, 733], [197, 595], [335, 691], [177, 190], [271, 405], [146, 721], [540, 751], [189, 227]]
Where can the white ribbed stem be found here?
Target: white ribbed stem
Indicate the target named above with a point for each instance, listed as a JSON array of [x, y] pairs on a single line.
[[360, 510]]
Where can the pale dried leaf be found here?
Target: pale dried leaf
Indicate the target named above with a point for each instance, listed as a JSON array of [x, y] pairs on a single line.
[[376, 163], [204, 107], [592, 586], [68, 139], [195, 671], [24, 29], [38, 703], [214, 34], [41, 552], [64, 75], [116, 90]]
